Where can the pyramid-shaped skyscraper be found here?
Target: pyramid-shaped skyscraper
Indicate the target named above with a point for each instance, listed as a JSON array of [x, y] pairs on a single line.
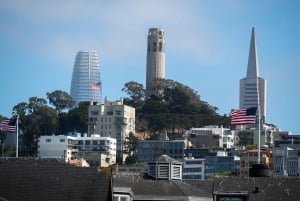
[[252, 87]]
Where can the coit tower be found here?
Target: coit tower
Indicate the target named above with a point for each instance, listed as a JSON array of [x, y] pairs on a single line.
[[86, 82], [155, 59]]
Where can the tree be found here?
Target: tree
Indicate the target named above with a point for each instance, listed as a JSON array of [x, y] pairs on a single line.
[[245, 138], [130, 148], [35, 104], [77, 118], [36, 118], [175, 107], [136, 94], [21, 109], [61, 100]]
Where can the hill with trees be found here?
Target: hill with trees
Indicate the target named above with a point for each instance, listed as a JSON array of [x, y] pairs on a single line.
[[176, 108]]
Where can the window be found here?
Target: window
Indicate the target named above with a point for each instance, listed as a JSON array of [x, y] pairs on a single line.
[[94, 112], [48, 140], [160, 46], [154, 47], [123, 198], [61, 140]]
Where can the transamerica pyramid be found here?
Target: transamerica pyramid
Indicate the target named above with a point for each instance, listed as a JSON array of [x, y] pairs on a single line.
[[253, 87]]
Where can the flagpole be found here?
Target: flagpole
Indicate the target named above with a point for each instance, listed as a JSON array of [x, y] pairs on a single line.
[[17, 142], [258, 134], [259, 118]]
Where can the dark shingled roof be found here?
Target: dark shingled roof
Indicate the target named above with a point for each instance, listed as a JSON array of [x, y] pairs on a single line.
[[36, 180], [146, 187], [269, 188]]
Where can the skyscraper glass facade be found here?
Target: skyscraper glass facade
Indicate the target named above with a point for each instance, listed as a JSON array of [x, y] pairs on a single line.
[[86, 82]]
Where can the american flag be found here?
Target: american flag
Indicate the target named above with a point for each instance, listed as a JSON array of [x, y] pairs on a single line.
[[8, 125], [243, 116], [96, 86]]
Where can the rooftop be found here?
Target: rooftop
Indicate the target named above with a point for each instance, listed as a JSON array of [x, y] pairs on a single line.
[[36, 179], [259, 188]]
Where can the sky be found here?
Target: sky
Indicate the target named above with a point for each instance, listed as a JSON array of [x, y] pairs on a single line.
[[207, 47]]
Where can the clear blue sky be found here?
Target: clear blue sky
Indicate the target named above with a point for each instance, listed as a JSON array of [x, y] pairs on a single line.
[[207, 46]]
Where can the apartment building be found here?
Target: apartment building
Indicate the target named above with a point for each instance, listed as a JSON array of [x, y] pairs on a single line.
[[112, 119], [95, 149]]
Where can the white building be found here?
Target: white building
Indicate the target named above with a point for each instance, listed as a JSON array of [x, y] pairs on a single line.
[[193, 169], [98, 149], [112, 119], [56, 147], [228, 139]]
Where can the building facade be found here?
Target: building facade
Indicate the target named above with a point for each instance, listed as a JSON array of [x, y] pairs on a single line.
[[210, 136], [149, 150], [86, 81], [94, 149], [155, 59], [252, 87], [286, 160], [250, 157], [193, 169], [221, 164], [284, 138], [228, 139], [112, 119], [197, 153]]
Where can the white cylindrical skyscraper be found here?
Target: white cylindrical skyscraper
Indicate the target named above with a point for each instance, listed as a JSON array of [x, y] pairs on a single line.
[[86, 82], [155, 58]]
